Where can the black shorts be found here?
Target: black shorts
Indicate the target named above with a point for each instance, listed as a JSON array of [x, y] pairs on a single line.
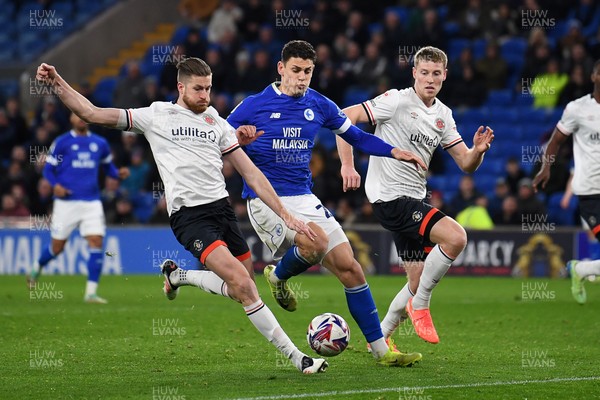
[[589, 209], [410, 221], [203, 228]]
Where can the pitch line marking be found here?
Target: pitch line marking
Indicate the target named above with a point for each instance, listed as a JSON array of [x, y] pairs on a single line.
[[397, 389]]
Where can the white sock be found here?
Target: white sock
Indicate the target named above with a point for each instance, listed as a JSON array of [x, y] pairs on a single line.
[[263, 319], [90, 288], [396, 313], [437, 264], [379, 348], [587, 268], [205, 280]]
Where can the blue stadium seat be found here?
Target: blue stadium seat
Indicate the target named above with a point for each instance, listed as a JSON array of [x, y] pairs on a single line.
[[103, 92], [143, 206], [478, 47], [355, 96], [180, 35], [513, 46], [502, 97], [455, 46], [558, 215]]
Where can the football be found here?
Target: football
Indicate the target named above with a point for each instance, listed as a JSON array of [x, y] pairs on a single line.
[[328, 334]]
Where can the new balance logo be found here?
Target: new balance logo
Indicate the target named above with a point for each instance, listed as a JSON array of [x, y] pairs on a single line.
[[275, 115]]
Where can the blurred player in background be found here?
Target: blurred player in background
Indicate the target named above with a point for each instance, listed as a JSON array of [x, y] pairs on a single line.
[[581, 118], [188, 140], [290, 114], [72, 168], [427, 240]]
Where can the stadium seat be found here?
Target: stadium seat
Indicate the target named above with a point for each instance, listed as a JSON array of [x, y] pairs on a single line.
[[355, 96], [456, 46], [478, 47], [180, 35], [501, 97], [103, 92], [513, 46], [557, 214]]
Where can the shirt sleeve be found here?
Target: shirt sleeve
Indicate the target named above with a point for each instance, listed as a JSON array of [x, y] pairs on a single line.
[[568, 122], [450, 135], [228, 141], [335, 119], [137, 120], [382, 107], [240, 114]]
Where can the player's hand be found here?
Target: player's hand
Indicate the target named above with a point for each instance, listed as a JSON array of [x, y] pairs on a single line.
[[46, 73], [299, 226], [124, 173], [61, 191], [542, 178], [247, 134], [403, 155], [482, 141], [350, 178]]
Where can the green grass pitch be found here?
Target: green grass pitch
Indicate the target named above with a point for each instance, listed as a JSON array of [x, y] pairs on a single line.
[[501, 338]]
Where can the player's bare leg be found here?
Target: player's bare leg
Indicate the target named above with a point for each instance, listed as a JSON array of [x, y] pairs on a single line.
[[451, 239], [297, 259], [340, 261]]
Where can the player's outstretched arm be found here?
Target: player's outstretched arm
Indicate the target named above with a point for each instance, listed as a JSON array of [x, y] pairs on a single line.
[[75, 101], [543, 176], [350, 177], [468, 160], [262, 187]]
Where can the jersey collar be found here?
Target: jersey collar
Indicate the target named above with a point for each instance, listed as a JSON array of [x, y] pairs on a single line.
[[74, 134], [415, 92], [275, 86]]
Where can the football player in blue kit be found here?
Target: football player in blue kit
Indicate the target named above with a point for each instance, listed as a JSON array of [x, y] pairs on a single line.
[[290, 114], [72, 168]]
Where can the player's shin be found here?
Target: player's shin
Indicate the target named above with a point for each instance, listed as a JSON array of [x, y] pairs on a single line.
[[437, 264], [291, 264], [263, 319], [363, 310], [46, 256], [205, 280], [396, 313], [94, 266]]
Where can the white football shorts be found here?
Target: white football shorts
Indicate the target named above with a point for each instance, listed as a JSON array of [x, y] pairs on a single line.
[[67, 215], [278, 237]]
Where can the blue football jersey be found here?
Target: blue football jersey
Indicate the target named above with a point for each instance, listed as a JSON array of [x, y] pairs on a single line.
[[73, 161], [283, 152]]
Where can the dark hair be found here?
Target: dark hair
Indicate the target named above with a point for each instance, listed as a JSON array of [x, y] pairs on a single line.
[[299, 49], [596, 65], [192, 66]]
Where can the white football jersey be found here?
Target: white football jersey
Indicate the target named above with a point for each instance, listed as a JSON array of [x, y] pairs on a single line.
[[187, 148], [405, 122], [581, 119]]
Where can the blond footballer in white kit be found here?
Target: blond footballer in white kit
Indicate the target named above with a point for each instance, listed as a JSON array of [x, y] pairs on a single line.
[[581, 119], [188, 139], [427, 240]]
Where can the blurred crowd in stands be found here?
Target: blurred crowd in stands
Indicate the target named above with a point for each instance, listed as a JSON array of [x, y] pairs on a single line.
[[363, 47]]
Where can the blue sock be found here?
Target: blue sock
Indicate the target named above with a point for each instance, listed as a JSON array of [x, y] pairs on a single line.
[[46, 256], [363, 310], [94, 265], [291, 264]]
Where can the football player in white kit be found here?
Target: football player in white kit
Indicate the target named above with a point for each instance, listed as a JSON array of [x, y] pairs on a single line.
[[426, 239], [188, 140], [581, 118]]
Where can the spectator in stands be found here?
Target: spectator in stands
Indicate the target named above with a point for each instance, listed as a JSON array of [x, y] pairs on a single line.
[[501, 192], [365, 215], [193, 44], [317, 32], [11, 208], [138, 173], [400, 72], [579, 57], [17, 121], [168, 74], [267, 41], [509, 214], [546, 87], [243, 74], [503, 23], [53, 115], [151, 91], [160, 214], [356, 29], [220, 71], [476, 216], [431, 31], [436, 199], [577, 87], [594, 45], [41, 204], [129, 90], [514, 173], [492, 68], [465, 59], [370, 67], [347, 68], [572, 37], [262, 72], [472, 20], [466, 195], [530, 207], [393, 35], [255, 14], [468, 91], [8, 136], [224, 20], [123, 212]]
